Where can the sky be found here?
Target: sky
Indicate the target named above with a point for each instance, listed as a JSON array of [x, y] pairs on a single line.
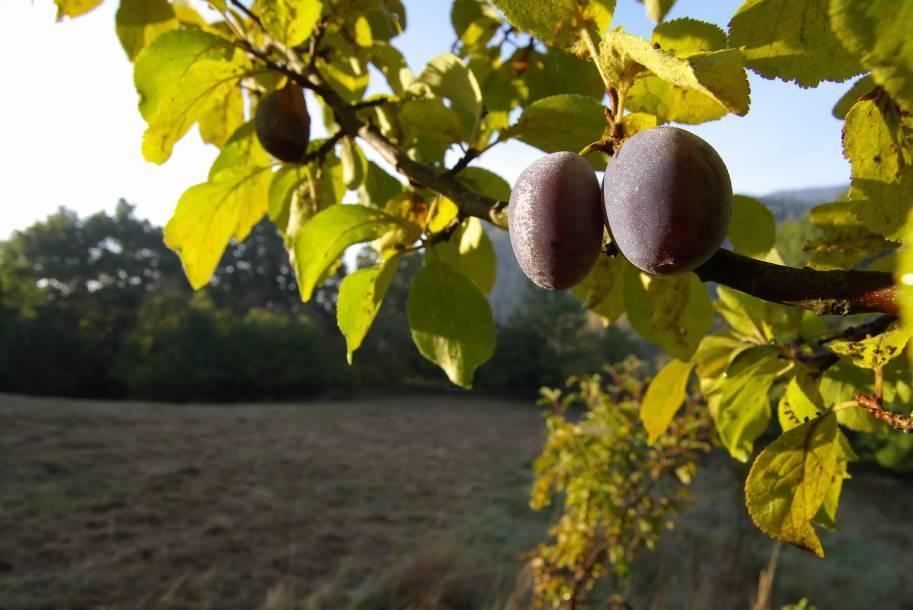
[[71, 132]]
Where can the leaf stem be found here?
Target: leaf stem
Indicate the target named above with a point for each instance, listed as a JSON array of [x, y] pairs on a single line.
[[594, 54]]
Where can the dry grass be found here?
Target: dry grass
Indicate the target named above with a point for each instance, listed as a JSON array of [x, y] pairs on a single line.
[[415, 503]]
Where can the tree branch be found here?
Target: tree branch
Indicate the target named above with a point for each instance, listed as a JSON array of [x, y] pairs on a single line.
[[822, 292]]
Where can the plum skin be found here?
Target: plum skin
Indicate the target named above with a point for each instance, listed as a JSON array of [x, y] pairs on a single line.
[[668, 200], [555, 218], [283, 124]]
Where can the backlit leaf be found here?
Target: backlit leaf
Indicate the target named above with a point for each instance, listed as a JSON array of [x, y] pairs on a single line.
[[602, 290], [289, 22], [74, 8], [878, 32], [556, 22], [581, 119], [791, 40], [451, 321], [360, 296], [322, 240], [685, 36], [874, 352], [470, 251], [140, 21]]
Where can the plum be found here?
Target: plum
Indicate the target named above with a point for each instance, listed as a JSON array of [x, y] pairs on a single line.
[[283, 124], [555, 217], [668, 200]]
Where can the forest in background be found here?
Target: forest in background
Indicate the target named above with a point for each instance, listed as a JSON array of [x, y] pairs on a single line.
[[98, 307]]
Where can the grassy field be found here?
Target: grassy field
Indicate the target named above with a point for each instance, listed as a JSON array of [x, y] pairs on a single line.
[[403, 502]]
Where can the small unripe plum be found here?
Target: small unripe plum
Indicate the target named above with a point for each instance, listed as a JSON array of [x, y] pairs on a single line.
[[668, 200], [556, 221], [283, 124]]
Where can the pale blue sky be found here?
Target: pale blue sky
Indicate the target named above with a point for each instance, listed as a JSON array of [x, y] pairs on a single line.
[[71, 132]]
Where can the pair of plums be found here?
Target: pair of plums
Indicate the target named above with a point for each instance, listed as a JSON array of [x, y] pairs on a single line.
[[666, 199]]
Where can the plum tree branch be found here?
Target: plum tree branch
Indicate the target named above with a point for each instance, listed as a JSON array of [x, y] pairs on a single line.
[[822, 292]]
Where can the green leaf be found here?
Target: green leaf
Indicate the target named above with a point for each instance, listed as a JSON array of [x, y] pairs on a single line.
[[874, 352], [360, 296], [714, 354], [447, 76], [742, 410], [203, 83], [74, 8], [789, 480], [555, 22], [161, 66], [684, 36], [602, 290], [753, 229], [451, 321], [379, 187], [800, 403], [657, 9], [322, 240], [673, 312], [664, 396], [747, 315], [140, 21], [580, 118], [791, 40], [863, 86], [470, 251], [878, 32], [354, 164], [485, 182], [228, 205], [392, 65], [696, 88], [844, 241], [838, 384], [475, 22], [289, 22], [430, 127]]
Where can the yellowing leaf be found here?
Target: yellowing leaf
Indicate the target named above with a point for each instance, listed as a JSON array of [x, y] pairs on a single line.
[[234, 199], [863, 86], [322, 240], [208, 215], [673, 312], [451, 321], [74, 8], [470, 251], [664, 396], [791, 40], [222, 118], [878, 32], [140, 21], [874, 352], [753, 229], [360, 296], [844, 241], [800, 403], [392, 65], [362, 27], [657, 9], [714, 354], [290, 22], [204, 82], [789, 480]]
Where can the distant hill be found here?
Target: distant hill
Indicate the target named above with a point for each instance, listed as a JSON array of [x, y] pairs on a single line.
[[790, 205], [511, 284]]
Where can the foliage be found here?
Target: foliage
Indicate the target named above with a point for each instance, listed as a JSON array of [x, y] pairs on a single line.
[[617, 490], [558, 75]]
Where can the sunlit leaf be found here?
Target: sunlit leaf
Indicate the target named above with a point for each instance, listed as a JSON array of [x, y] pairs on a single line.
[[874, 352], [753, 229], [360, 296], [322, 240], [470, 251], [74, 8], [789, 480], [664, 396], [791, 40], [602, 290], [140, 21], [289, 22], [557, 22], [581, 119]]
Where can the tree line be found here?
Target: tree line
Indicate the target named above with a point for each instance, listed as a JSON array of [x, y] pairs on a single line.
[[98, 307]]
